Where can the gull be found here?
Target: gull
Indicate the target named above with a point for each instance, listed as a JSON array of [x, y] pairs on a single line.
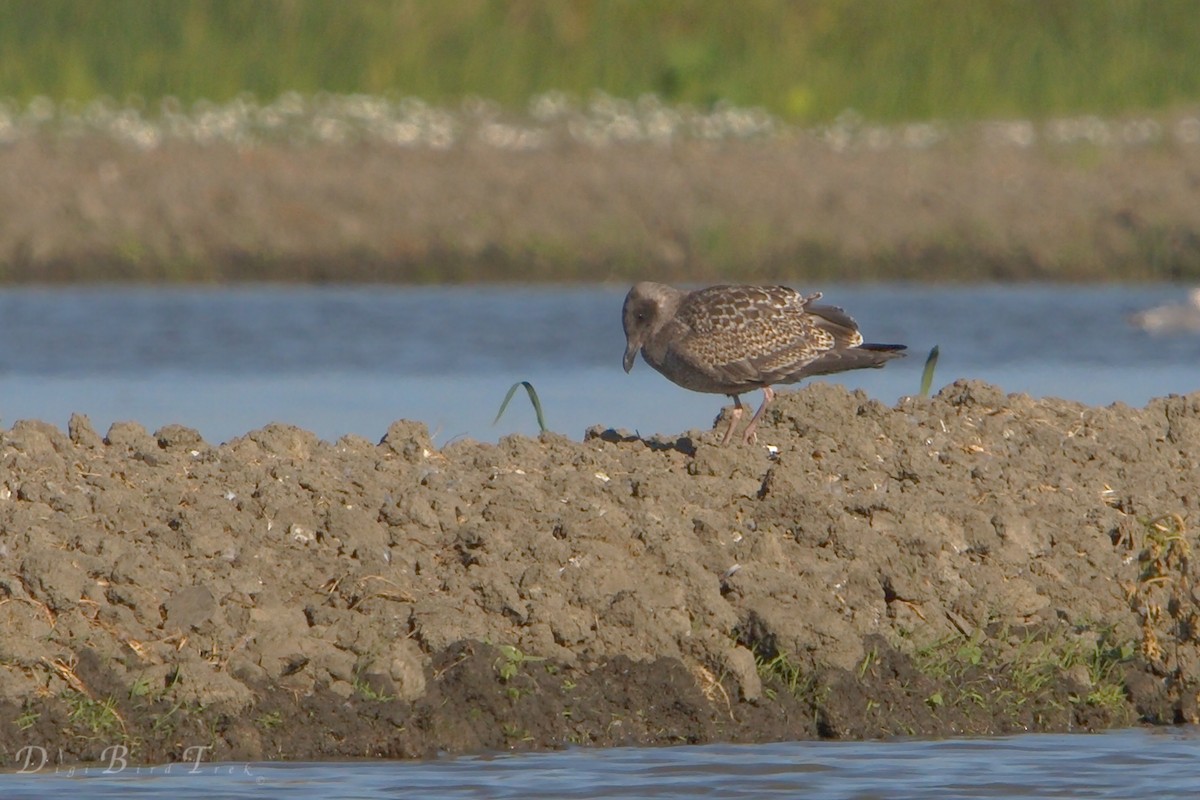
[[1171, 318], [735, 339]]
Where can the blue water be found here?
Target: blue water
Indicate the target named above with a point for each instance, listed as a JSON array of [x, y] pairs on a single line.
[[1135, 763], [352, 360]]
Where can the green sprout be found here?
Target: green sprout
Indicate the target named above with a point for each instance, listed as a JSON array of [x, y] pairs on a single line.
[[533, 398], [927, 375]]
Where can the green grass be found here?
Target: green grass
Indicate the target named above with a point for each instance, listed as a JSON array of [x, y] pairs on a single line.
[[927, 372], [27, 719], [97, 716], [509, 662], [368, 692], [364, 689], [781, 671], [269, 721], [805, 61], [973, 671], [533, 400]]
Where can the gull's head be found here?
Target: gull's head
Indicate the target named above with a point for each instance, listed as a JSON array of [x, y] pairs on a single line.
[[648, 307]]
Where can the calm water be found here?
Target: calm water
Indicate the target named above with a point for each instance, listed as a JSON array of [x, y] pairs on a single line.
[[1122, 764], [351, 360]]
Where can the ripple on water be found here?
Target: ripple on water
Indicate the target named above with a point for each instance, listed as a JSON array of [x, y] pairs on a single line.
[[1163, 763]]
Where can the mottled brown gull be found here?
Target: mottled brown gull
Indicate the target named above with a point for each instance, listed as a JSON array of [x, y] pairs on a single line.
[[734, 339]]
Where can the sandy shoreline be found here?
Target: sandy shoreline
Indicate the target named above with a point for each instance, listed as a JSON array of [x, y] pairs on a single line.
[[976, 562]]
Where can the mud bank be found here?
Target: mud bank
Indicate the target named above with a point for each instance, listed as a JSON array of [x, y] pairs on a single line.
[[788, 208], [974, 562]]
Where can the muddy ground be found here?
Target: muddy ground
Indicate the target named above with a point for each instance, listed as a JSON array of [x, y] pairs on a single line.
[[788, 207], [973, 562]]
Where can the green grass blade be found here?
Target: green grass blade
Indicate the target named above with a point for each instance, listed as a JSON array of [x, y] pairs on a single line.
[[533, 399], [926, 376]]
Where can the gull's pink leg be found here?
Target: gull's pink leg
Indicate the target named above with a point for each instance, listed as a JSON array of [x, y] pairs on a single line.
[[749, 435], [734, 416]]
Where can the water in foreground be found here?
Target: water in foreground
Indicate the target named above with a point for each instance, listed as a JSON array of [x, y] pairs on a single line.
[[1163, 763]]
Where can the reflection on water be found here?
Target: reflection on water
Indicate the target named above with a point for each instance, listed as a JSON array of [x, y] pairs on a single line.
[[1162, 763], [351, 360]]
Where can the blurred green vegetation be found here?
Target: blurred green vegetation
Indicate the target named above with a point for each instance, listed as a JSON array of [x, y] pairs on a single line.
[[806, 60]]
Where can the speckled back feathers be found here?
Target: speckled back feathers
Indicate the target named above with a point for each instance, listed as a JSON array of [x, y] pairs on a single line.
[[731, 339]]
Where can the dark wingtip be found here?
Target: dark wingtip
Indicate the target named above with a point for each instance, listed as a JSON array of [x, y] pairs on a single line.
[[884, 348]]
